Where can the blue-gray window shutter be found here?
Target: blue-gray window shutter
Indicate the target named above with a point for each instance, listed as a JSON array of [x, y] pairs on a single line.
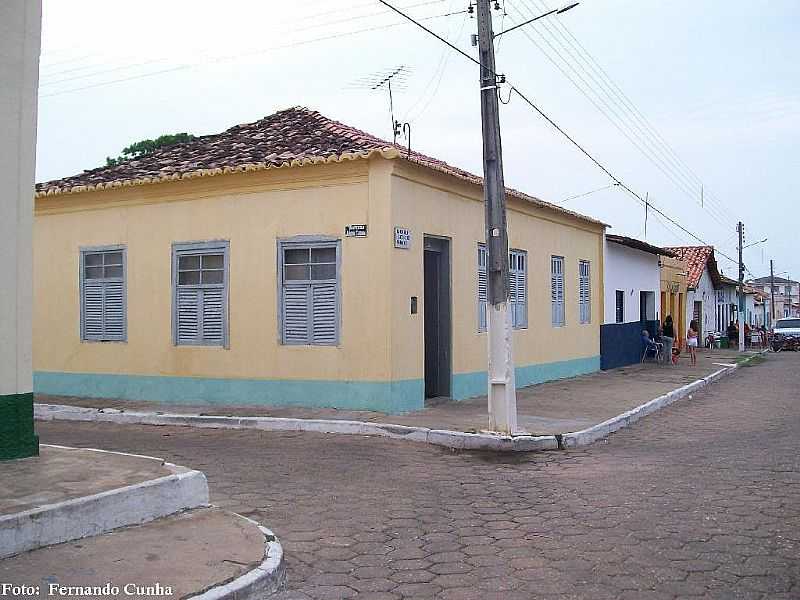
[[518, 283], [103, 303], [200, 284], [114, 310], [309, 292], [213, 315], [187, 320], [295, 314], [557, 289], [93, 310], [483, 288], [585, 291], [324, 318]]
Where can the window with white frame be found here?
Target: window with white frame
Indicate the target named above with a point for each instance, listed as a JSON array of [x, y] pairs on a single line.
[[103, 297], [309, 292], [517, 287], [200, 301], [585, 291], [557, 290]]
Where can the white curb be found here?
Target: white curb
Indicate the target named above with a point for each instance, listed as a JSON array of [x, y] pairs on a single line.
[[99, 513], [438, 437], [592, 434], [264, 580]]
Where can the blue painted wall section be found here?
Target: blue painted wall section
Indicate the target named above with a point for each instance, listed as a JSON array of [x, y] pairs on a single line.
[[469, 385], [621, 343], [390, 397]]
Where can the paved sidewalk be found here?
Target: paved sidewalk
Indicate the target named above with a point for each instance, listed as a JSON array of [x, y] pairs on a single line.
[[555, 407], [700, 500], [174, 557], [60, 474]]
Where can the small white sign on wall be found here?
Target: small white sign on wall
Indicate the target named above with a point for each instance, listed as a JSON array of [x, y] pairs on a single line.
[[402, 238], [355, 231]]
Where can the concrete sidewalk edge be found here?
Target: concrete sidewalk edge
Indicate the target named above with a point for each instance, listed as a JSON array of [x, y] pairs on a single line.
[[264, 580], [99, 513], [456, 440], [588, 436], [438, 437]]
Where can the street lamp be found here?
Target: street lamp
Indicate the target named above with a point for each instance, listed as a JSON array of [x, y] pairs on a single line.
[[557, 11], [754, 243]]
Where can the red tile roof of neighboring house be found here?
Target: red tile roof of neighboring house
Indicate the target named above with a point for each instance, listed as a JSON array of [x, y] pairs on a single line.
[[697, 259], [292, 137]]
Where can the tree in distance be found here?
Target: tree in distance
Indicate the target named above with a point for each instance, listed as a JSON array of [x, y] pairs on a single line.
[[145, 147]]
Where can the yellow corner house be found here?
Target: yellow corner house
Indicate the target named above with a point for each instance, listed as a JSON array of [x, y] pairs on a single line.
[[298, 261]]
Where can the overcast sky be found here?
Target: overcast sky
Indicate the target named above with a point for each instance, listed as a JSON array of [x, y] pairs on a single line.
[[669, 96]]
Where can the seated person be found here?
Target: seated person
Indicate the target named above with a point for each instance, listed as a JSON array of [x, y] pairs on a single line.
[[650, 343], [733, 333]]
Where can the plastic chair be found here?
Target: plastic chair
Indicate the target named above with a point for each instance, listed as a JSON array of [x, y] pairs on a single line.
[[653, 349]]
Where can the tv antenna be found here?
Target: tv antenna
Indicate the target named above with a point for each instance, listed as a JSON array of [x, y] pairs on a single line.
[[389, 79]]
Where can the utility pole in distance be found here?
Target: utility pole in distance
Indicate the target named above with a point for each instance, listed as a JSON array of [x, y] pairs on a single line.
[[742, 305], [771, 292], [502, 387]]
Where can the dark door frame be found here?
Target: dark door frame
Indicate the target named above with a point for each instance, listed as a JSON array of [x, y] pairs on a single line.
[[438, 338]]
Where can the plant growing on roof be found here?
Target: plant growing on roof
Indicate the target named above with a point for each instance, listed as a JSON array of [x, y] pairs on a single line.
[[144, 147]]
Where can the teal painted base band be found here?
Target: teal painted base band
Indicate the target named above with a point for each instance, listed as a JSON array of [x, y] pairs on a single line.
[[469, 385], [393, 397], [17, 437]]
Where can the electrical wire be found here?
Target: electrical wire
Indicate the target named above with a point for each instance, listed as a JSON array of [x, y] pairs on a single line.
[[618, 96], [47, 79], [605, 187], [558, 128], [187, 66], [594, 88]]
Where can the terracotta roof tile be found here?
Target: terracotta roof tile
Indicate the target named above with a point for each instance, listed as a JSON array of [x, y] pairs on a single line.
[[291, 137], [697, 258]]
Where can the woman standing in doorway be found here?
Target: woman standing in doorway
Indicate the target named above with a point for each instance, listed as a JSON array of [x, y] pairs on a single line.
[[691, 341], [668, 336]]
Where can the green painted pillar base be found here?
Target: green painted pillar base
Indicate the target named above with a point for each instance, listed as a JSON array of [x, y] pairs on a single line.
[[17, 438]]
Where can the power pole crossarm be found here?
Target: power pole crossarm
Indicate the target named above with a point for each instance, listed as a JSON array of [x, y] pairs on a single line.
[[501, 388]]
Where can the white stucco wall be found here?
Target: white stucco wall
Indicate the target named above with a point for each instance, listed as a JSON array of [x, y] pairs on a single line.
[[706, 294], [20, 32], [631, 271]]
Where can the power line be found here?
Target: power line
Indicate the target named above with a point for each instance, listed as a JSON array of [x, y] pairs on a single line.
[[294, 30], [599, 88], [605, 187], [558, 128], [184, 67]]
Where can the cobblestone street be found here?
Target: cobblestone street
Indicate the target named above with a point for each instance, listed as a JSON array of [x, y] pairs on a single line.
[[699, 500]]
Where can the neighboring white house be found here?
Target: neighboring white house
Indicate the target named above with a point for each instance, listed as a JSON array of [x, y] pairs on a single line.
[[632, 298], [632, 280], [703, 280]]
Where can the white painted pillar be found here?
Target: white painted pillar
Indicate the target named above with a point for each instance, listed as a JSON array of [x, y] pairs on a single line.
[[20, 40]]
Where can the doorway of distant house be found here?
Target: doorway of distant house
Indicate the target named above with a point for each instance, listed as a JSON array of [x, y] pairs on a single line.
[[647, 306], [697, 316], [437, 327]]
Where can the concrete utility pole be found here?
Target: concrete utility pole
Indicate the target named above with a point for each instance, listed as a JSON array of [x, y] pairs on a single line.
[[20, 28], [502, 387], [771, 293], [742, 304]]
